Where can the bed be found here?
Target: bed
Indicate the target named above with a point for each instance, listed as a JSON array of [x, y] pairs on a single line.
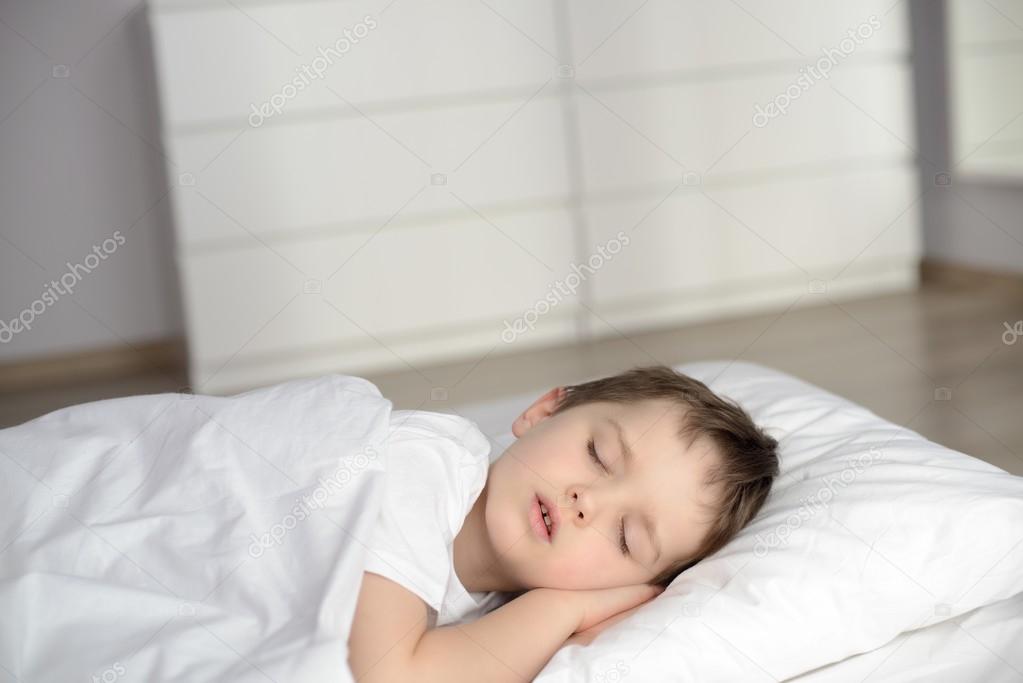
[[206, 538]]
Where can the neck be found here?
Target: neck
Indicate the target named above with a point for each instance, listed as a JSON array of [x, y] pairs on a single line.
[[477, 565]]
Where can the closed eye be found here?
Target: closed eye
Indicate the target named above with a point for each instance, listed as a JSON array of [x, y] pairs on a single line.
[[592, 448]]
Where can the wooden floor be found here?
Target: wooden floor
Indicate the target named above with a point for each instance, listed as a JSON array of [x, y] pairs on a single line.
[[889, 353]]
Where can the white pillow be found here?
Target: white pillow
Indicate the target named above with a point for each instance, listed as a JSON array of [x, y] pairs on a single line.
[[870, 530]]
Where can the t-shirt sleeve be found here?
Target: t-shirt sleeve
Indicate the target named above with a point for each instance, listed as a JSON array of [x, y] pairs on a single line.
[[436, 466]]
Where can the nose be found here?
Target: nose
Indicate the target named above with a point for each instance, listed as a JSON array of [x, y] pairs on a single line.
[[580, 506]]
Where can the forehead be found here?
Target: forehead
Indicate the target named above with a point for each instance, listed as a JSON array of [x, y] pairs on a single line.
[[658, 418], [655, 425], [652, 423]]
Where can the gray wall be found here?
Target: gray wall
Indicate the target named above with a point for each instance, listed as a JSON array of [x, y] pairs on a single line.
[[80, 159], [978, 223]]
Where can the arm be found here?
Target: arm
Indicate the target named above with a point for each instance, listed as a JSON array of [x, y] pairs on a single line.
[[389, 640], [586, 637], [388, 623], [512, 643]]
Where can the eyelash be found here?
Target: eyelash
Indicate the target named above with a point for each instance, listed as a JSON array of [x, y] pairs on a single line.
[[622, 545], [591, 447]]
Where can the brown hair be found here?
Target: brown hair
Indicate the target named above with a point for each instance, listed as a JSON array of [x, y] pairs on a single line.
[[748, 459]]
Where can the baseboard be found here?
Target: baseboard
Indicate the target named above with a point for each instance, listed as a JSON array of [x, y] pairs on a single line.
[[961, 275], [169, 355], [166, 355]]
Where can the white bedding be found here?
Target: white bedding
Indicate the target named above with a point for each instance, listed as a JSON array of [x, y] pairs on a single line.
[[189, 538], [180, 538], [982, 645]]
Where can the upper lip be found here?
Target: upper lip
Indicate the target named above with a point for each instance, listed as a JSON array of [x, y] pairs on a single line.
[[553, 513]]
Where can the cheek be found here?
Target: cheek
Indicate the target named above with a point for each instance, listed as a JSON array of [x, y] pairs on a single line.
[[505, 522], [588, 564], [574, 565], [517, 467]]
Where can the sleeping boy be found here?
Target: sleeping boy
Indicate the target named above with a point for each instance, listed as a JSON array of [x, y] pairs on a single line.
[[612, 488]]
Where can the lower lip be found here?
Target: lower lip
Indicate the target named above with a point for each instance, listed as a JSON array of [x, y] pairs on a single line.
[[536, 521]]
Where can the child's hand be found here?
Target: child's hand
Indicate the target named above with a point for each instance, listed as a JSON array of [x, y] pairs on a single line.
[[595, 606], [586, 637]]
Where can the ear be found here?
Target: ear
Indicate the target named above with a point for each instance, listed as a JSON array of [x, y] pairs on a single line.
[[539, 411]]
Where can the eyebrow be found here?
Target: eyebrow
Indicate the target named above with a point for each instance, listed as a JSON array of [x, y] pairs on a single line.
[[630, 457]]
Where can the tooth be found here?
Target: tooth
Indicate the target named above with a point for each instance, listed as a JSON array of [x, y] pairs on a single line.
[[546, 517]]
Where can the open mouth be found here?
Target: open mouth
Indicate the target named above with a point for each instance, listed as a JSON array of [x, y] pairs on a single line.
[[544, 518]]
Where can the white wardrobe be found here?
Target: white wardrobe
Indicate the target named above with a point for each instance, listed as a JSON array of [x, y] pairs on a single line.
[[443, 173]]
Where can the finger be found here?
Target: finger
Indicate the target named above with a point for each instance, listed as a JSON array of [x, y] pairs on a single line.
[[611, 601], [626, 597]]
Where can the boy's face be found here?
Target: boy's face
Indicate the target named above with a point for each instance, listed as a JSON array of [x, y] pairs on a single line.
[[660, 487]]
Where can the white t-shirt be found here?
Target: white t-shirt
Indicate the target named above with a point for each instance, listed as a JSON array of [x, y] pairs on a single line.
[[436, 467]]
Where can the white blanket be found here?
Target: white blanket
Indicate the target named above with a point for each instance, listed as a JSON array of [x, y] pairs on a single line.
[[189, 538]]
